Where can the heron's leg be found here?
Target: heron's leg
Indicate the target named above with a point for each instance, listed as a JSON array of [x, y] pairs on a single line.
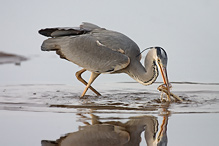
[[78, 75], [93, 76]]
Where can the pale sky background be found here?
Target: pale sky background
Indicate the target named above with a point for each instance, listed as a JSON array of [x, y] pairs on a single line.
[[188, 30]]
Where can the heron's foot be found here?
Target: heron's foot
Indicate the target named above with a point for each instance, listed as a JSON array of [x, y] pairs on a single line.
[[87, 96]]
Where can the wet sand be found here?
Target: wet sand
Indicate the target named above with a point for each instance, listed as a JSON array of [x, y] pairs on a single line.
[[31, 114]]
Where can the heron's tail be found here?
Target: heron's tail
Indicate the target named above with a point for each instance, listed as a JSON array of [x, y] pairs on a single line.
[[55, 44], [52, 44]]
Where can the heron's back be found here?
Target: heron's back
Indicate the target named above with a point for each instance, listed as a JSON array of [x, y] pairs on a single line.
[[91, 47]]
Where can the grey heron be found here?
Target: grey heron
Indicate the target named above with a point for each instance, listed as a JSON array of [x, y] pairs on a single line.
[[99, 50], [115, 133]]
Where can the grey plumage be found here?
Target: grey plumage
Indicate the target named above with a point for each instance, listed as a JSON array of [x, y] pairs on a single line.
[[102, 51], [116, 133], [87, 49]]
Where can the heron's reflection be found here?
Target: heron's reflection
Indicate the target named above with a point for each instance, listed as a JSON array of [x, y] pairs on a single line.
[[117, 133]]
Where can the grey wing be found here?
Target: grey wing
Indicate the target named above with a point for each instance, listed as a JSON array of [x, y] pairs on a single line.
[[84, 28], [87, 52], [88, 26], [117, 41]]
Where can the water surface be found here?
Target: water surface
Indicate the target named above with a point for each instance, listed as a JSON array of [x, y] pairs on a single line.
[[127, 113]]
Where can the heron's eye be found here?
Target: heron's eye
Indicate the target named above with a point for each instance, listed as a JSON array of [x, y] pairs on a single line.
[[158, 60]]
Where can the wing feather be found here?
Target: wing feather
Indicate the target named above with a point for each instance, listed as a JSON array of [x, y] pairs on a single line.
[[85, 51], [68, 31]]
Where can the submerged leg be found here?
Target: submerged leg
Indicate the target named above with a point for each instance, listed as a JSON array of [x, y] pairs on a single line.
[[93, 76], [78, 75]]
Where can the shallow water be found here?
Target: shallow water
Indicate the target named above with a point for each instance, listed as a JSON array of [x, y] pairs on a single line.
[[127, 113], [34, 113], [198, 98]]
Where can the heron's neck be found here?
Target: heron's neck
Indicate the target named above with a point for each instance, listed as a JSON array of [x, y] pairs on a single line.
[[151, 73], [146, 74]]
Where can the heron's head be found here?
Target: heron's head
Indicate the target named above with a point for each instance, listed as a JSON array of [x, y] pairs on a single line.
[[160, 56]]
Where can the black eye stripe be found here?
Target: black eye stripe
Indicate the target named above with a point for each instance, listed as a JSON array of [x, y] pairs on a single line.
[[158, 51], [161, 51]]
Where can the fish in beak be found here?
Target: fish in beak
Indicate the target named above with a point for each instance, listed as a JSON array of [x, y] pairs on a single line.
[[163, 71]]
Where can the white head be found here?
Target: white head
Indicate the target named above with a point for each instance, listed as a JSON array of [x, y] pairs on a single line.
[[160, 56]]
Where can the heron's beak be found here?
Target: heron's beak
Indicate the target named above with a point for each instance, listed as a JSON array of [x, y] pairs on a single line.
[[163, 71]]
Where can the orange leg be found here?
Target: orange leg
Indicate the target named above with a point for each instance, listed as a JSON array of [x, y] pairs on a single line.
[[78, 75]]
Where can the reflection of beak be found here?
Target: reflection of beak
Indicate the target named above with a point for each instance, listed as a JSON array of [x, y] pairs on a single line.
[[163, 71]]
